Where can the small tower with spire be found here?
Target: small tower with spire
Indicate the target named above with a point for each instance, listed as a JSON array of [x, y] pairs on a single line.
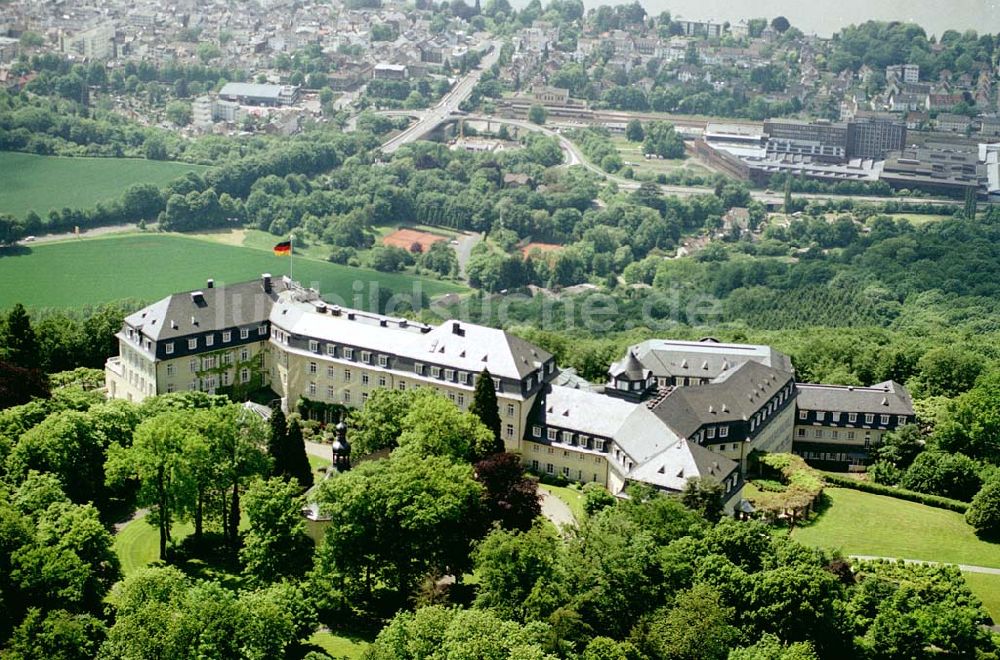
[[629, 379]]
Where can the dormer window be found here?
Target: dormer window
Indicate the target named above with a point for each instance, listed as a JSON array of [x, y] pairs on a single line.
[[168, 348], [209, 340], [552, 435], [192, 344], [227, 336]]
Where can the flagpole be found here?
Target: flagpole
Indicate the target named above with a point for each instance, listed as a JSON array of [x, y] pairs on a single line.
[[291, 251]]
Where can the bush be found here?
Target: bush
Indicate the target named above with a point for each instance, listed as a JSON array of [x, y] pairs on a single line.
[[899, 493], [984, 513]]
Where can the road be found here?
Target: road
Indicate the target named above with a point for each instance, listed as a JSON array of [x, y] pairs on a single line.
[[87, 233], [464, 250], [446, 107]]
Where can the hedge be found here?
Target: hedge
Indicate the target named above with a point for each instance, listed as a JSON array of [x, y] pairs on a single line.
[[898, 493]]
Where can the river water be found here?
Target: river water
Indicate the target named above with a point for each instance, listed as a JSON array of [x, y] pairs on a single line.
[[824, 17]]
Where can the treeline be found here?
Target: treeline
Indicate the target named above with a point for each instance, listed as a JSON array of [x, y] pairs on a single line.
[[879, 44], [51, 125], [56, 341], [194, 201]]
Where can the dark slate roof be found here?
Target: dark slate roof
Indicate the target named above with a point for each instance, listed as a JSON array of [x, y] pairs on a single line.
[[205, 310], [889, 398], [707, 358], [629, 368], [736, 396]]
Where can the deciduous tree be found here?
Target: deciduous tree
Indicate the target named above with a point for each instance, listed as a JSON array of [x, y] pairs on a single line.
[[276, 545]]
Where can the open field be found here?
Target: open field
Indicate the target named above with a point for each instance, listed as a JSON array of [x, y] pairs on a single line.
[[632, 154], [138, 544], [75, 273], [865, 524], [41, 183]]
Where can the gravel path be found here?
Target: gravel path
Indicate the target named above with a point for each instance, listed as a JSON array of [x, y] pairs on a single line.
[[555, 509]]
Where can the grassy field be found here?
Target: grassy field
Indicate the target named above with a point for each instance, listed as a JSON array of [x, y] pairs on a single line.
[[866, 524], [339, 646], [987, 587], [632, 154], [41, 183], [138, 544], [74, 273]]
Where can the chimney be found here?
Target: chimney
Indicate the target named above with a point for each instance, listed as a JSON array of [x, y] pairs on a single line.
[[265, 281], [456, 329], [210, 284]]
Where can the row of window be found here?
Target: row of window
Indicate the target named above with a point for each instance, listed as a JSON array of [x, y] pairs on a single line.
[[552, 450], [347, 353], [852, 418], [227, 336], [772, 407], [566, 472], [211, 362], [566, 437], [210, 383], [841, 457], [833, 434]]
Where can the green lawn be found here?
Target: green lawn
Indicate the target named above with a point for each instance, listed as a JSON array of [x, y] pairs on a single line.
[[572, 497], [339, 646], [138, 544], [987, 587], [865, 524], [41, 183], [79, 272]]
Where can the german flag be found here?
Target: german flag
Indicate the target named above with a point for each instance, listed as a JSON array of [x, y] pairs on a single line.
[[283, 248]]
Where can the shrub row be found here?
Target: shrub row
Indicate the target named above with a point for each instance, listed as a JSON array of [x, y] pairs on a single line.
[[899, 493]]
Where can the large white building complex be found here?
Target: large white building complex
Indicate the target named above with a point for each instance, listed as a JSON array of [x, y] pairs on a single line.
[[669, 411]]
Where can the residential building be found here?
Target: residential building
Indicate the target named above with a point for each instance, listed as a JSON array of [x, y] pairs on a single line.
[[837, 426], [953, 123], [909, 73], [386, 71]]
